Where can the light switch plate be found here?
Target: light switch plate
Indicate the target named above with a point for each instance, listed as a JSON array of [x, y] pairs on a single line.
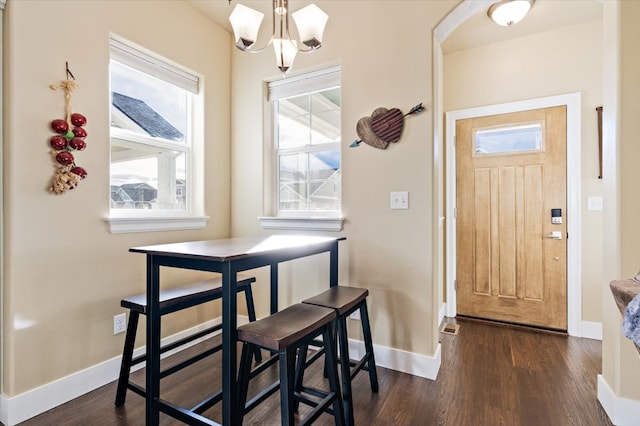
[[594, 204], [400, 200]]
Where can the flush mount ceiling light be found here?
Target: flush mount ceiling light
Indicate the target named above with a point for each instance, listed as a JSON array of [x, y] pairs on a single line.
[[509, 12], [310, 22]]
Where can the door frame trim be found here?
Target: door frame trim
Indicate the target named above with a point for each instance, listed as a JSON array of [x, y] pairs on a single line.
[[574, 255]]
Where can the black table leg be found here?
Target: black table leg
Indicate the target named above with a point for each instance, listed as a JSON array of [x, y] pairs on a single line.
[[229, 349], [274, 287], [153, 341], [333, 265]]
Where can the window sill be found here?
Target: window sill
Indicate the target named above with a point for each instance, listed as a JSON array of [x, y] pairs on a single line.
[[125, 225], [303, 223]]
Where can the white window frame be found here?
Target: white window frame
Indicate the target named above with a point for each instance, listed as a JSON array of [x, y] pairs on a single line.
[[283, 88], [192, 217]]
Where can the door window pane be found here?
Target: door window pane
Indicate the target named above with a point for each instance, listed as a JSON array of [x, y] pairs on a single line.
[[510, 139]]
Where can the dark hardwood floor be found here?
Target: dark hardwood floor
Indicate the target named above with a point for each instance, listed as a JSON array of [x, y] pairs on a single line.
[[490, 375]]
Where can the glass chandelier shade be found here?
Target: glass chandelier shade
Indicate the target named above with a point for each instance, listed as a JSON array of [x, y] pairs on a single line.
[[310, 23], [285, 51], [509, 12], [246, 23]]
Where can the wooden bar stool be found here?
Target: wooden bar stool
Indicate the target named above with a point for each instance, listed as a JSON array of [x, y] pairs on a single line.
[[172, 300], [345, 300], [283, 333]]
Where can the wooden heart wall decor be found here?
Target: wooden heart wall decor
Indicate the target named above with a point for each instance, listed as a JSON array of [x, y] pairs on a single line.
[[382, 127]]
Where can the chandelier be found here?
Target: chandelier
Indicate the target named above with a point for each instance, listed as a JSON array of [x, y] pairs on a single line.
[[310, 22]]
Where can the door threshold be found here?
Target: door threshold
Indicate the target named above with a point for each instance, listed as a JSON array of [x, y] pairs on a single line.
[[513, 325]]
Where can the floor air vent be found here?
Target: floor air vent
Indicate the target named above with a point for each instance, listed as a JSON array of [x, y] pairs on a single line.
[[450, 329]]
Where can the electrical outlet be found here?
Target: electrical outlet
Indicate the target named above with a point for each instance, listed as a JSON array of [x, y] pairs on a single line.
[[119, 323], [355, 315], [400, 200]]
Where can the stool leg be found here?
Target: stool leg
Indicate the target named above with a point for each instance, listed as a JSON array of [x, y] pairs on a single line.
[[299, 378], [371, 363], [243, 379], [330, 355], [333, 331], [345, 370], [287, 360], [251, 312], [127, 355]]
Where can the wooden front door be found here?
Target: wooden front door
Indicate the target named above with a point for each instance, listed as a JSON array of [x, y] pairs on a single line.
[[511, 213]]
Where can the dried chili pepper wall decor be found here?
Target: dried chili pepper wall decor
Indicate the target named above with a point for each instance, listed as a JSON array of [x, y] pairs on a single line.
[[69, 138]]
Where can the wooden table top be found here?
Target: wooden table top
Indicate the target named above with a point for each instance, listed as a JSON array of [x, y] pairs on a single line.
[[233, 248]]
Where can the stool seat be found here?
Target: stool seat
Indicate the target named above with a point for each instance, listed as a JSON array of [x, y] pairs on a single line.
[[285, 327], [340, 298], [284, 333], [345, 300], [172, 300], [175, 299]]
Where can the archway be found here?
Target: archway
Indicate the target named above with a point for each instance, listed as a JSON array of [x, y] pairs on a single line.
[[450, 23], [615, 406]]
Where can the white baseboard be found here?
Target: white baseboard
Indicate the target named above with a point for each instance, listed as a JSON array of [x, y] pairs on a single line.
[[621, 411], [591, 330], [399, 360], [441, 312], [24, 406]]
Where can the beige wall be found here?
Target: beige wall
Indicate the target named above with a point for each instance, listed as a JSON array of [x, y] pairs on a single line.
[[620, 362], [629, 178], [64, 272], [387, 251], [556, 62]]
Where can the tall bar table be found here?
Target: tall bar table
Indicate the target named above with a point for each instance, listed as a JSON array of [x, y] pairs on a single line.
[[228, 257]]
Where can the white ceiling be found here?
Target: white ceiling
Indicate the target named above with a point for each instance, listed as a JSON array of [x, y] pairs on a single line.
[[545, 15]]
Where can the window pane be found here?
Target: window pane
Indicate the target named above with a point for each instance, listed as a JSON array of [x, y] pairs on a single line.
[[324, 180], [309, 119], [325, 119], [146, 177], [310, 181], [293, 171], [510, 139], [147, 105], [293, 122]]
